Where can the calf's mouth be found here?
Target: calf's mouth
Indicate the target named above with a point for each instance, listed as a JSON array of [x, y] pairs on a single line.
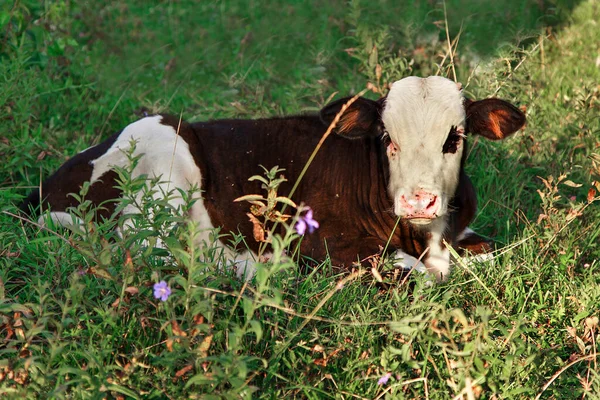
[[420, 221]]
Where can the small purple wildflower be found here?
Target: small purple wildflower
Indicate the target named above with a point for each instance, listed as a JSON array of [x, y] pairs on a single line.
[[162, 291], [384, 379], [305, 222]]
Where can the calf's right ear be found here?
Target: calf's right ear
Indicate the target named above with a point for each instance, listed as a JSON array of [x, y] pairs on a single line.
[[362, 118], [494, 119]]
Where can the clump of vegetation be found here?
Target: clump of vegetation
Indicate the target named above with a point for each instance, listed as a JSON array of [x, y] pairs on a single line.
[[91, 313]]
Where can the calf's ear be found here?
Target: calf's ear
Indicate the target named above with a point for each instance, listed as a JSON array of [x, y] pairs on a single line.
[[361, 118], [494, 119]]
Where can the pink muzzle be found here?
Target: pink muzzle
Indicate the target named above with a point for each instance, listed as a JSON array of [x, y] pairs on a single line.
[[420, 205]]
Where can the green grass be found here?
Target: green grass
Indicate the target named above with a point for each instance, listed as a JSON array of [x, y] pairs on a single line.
[[77, 315]]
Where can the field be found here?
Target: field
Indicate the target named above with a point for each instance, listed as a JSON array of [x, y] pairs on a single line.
[[78, 318]]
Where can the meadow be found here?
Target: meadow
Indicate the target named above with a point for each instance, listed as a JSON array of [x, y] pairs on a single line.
[[78, 318]]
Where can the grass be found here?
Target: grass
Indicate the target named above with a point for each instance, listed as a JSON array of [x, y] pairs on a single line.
[[77, 315]]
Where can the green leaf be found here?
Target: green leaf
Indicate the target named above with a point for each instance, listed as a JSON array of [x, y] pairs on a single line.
[[277, 182], [105, 257], [256, 327], [258, 178], [583, 314], [123, 390], [6, 308], [373, 57], [402, 327], [4, 18], [242, 370], [199, 379], [460, 316], [250, 198], [287, 201], [572, 184], [248, 307], [101, 273]]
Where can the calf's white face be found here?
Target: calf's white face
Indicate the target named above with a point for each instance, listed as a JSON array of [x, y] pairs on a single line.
[[424, 121]]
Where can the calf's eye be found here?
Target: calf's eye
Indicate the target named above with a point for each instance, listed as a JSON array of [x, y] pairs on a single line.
[[453, 141]]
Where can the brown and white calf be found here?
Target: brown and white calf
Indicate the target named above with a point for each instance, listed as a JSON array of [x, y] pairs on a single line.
[[401, 156]]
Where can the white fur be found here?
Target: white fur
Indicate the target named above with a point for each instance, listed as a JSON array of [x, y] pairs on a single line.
[[60, 218], [466, 232], [167, 157], [406, 261], [418, 116], [436, 263], [244, 264], [437, 259]]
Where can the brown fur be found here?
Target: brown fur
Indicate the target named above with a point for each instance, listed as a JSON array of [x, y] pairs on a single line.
[[348, 121], [56, 190], [493, 118]]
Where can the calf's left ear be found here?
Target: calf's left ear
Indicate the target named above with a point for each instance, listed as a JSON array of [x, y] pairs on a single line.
[[494, 119], [361, 118]]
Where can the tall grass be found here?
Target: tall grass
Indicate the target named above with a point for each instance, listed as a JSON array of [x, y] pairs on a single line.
[[77, 313]]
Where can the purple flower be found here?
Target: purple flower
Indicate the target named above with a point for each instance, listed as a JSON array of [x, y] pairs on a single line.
[[384, 379], [305, 222], [162, 291]]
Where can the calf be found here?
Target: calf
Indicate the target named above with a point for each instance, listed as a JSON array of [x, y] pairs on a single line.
[[399, 157]]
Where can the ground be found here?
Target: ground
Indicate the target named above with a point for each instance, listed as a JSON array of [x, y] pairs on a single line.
[[77, 313]]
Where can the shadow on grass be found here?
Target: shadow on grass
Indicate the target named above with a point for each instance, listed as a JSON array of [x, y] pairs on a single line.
[[280, 56]]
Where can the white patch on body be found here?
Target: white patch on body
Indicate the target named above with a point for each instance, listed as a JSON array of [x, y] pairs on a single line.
[[418, 116], [244, 264], [408, 262], [167, 157], [437, 260], [464, 234], [60, 218]]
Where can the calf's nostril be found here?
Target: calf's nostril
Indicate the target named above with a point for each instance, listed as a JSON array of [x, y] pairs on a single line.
[[432, 201]]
